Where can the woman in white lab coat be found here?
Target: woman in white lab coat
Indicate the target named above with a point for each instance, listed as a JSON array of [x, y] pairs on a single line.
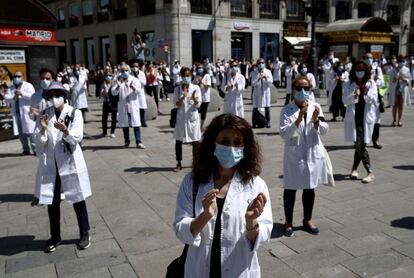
[[231, 215], [339, 77], [304, 167], [360, 97], [401, 95], [233, 85], [262, 79], [128, 88], [187, 100], [291, 72], [136, 72], [62, 166], [78, 90]]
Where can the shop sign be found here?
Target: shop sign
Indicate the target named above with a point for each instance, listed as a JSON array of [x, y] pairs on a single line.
[[12, 56], [377, 48], [339, 48], [27, 34], [295, 29], [239, 26]]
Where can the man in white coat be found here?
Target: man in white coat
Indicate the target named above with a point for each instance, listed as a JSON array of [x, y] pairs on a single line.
[[328, 72], [129, 88], [37, 102], [262, 79], [232, 86], [18, 96], [176, 69], [78, 85], [136, 72], [277, 72], [62, 167]]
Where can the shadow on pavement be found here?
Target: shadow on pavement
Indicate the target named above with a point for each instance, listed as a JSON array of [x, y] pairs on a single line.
[[404, 167], [338, 148], [405, 222], [268, 133], [149, 169], [12, 245], [341, 177], [98, 148], [16, 198], [3, 155], [277, 231]]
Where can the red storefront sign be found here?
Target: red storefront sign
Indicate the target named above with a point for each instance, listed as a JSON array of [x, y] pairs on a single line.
[[34, 34]]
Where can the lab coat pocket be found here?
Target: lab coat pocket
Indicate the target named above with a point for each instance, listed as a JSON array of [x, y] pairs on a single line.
[[193, 116]]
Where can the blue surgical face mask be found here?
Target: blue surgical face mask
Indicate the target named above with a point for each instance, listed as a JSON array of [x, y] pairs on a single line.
[[261, 66], [360, 74], [340, 69], [17, 81], [228, 157], [186, 79], [45, 84], [200, 71], [401, 64], [108, 77], [369, 61], [304, 71], [125, 74], [302, 95]]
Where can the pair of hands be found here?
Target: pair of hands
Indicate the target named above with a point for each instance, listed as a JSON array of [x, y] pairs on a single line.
[[253, 211], [315, 113], [358, 91], [44, 121], [17, 93]]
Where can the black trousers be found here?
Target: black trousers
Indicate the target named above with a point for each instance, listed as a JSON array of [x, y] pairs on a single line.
[[142, 117], [361, 153], [376, 133], [153, 91], [287, 99], [179, 149], [308, 199], [106, 109], [54, 213]]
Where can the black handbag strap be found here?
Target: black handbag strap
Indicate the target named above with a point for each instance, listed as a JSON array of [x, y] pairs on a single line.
[[195, 186]]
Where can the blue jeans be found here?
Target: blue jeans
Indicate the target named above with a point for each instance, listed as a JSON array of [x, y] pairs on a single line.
[[137, 133]]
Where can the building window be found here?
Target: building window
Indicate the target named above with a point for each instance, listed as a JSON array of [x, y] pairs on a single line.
[[364, 10], [201, 6], [120, 11], [61, 23], [104, 10], [295, 9], [87, 12], [269, 9], [343, 10], [146, 7], [393, 15], [74, 14], [269, 46], [241, 8], [168, 1], [121, 48], [323, 15], [75, 51], [89, 53]]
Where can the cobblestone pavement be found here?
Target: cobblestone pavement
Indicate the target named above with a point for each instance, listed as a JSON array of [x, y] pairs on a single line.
[[366, 230]]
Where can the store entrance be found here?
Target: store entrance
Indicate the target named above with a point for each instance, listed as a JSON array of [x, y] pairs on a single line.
[[241, 45]]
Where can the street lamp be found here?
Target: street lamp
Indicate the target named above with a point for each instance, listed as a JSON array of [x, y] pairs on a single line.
[[313, 11]]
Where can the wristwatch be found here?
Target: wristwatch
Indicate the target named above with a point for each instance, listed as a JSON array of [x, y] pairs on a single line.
[[255, 228]]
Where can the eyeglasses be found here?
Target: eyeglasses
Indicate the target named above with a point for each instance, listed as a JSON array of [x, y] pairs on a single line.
[[299, 88], [18, 76]]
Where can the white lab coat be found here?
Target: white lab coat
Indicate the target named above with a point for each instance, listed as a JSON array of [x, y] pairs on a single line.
[[261, 88], [205, 92], [233, 98], [53, 152], [312, 80], [187, 127], [37, 100], [328, 72], [289, 74], [141, 95], [277, 68], [128, 101], [392, 84], [402, 86], [334, 82], [370, 112], [27, 90], [239, 257], [304, 165], [176, 74], [78, 94]]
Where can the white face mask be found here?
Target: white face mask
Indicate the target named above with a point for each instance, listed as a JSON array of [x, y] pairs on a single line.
[[59, 79], [58, 101]]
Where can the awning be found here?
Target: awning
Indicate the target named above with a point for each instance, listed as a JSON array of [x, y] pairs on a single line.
[[298, 42]]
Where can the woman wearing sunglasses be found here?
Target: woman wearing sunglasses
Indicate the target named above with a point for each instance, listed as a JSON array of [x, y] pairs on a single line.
[[232, 215], [301, 125]]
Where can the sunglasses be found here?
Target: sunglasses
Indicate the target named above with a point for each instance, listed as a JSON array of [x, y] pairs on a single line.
[[18, 76], [299, 88]]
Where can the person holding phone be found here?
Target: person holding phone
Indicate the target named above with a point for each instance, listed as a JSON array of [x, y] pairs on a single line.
[[302, 123], [187, 100]]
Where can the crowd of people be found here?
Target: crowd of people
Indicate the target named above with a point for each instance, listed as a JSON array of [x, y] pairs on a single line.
[[223, 209]]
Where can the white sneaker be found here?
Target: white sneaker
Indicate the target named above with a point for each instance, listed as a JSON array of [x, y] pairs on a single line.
[[168, 98], [369, 178], [354, 175], [113, 135], [140, 146]]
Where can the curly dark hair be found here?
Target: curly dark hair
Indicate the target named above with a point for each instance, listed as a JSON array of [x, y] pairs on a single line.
[[204, 161], [367, 69]]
